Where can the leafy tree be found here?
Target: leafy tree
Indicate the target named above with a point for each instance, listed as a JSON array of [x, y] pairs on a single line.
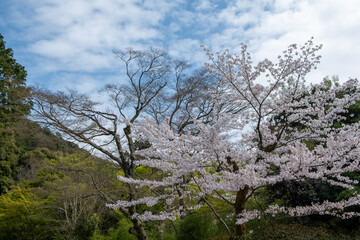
[[76, 184], [62, 200], [20, 216], [241, 152], [14, 103], [14, 95]]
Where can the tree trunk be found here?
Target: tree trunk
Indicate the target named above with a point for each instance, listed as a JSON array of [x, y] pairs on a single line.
[[239, 208], [138, 230]]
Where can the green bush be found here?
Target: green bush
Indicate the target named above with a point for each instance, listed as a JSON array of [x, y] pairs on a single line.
[[121, 232], [19, 217], [197, 226]]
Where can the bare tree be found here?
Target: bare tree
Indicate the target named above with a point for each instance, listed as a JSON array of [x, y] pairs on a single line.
[[156, 85]]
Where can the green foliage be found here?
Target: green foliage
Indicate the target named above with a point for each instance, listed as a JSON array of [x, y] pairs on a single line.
[[85, 227], [294, 231], [14, 95], [14, 103], [29, 136], [197, 226], [293, 193], [143, 170], [58, 191], [19, 216], [119, 232], [9, 155]]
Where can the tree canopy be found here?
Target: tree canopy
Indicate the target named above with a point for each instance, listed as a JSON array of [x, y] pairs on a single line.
[[14, 103], [14, 95]]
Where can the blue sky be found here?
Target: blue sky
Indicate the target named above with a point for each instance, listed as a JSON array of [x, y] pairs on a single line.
[[68, 43]]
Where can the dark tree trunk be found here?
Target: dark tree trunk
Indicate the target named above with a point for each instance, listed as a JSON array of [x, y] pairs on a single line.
[[138, 230], [239, 208]]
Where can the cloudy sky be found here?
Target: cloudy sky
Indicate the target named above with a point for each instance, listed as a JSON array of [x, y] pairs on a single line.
[[69, 43]]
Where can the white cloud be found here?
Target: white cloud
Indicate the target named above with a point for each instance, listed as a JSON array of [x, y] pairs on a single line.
[[77, 37], [189, 50], [80, 35], [204, 5], [270, 28]]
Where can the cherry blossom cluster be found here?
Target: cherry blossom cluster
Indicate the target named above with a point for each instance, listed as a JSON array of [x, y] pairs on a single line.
[[281, 130], [326, 208], [149, 216]]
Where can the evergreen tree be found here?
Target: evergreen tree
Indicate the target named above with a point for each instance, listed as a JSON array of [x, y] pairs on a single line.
[[14, 104]]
